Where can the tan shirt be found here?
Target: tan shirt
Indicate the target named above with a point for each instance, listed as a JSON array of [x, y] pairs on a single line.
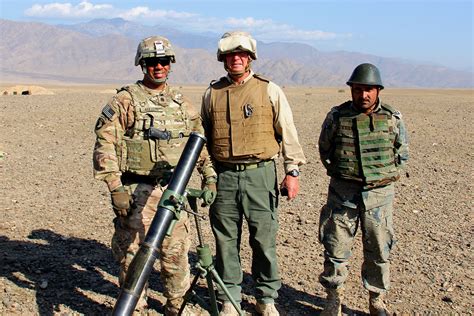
[[291, 150]]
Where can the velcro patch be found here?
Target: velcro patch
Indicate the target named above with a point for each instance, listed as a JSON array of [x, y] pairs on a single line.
[[108, 112]]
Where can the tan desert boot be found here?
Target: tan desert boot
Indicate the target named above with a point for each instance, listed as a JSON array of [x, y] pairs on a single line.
[[333, 304], [376, 304], [228, 310], [268, 309], [173, 305]]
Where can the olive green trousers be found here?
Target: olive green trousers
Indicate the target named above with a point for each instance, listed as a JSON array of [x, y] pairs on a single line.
[[249, 194]]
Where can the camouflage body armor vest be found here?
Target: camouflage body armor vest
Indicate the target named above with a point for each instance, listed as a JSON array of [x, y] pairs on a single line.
[[242, 119], [364, 149], [165, 112]]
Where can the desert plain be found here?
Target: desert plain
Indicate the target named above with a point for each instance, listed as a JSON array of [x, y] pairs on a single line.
[[56, 220]]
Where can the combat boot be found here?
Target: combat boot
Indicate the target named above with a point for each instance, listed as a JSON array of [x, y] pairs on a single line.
[[173, 305], [333, 302], [268, 309], [376, 304], [228, 310]]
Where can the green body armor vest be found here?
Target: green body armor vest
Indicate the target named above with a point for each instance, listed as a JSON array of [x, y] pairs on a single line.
[[165, 112], [364, 149]]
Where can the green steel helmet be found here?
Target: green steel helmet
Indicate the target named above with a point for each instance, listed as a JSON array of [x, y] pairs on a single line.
[[154, 46], [366, 74], [236, 41]]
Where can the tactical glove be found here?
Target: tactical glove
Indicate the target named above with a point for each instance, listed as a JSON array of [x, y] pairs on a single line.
[[121, 201], [209, 194]]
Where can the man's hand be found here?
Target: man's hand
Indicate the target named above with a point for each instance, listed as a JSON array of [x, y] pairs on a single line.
[[291, 185], [121, 201], [209, 194]]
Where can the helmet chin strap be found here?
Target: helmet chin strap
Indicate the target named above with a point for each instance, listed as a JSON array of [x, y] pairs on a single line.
[[154, 80], [238, 73]]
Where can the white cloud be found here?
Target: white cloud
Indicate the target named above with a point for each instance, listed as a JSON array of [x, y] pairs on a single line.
[[145, 13], [269, 30], [261, 29], [84, 9]]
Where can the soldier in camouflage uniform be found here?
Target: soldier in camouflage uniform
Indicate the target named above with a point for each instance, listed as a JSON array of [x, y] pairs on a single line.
[[137, 167], [363, 145], [248, 121]]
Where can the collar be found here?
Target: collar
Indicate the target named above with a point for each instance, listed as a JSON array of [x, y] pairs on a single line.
[[163, 91], [376, 108], [250, 76]]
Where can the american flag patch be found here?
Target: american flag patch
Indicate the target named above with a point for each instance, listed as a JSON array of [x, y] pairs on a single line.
[[108, 112]]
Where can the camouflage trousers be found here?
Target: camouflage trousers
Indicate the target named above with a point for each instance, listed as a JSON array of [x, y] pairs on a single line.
[[349, 206], [130, 231]]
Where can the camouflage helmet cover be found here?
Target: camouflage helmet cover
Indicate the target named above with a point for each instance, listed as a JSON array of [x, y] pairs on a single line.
[[154, 46], [236, 41], [366, 74]]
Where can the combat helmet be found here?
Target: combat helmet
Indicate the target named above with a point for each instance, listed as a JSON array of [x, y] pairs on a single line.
[[366, 74], [236, 41], [154, 46]]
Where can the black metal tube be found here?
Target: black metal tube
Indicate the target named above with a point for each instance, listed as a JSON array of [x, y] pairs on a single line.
[[142, 264]]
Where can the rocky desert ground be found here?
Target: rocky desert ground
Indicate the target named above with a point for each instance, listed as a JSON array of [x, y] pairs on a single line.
[[56, 222]]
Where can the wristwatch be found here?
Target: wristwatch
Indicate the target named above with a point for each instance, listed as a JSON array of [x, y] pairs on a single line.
[[294, 173]]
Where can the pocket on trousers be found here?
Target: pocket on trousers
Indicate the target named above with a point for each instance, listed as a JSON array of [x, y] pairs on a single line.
[[324, 217]]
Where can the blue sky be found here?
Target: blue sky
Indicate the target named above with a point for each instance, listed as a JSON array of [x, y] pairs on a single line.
[[439, 32]]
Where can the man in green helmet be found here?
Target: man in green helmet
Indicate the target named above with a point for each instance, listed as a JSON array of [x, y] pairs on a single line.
[[141, 134], [248, 122], [363, 145]]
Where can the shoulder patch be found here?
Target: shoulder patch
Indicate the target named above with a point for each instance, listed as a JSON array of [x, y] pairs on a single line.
[[108, 112]]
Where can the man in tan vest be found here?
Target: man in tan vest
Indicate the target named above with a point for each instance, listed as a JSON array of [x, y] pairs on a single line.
[[248, 122]]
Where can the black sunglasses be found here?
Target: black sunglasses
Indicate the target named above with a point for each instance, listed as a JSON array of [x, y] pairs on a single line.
[[153, 61]]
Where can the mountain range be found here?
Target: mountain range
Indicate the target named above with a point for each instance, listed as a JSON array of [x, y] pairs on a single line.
[[103, 50]]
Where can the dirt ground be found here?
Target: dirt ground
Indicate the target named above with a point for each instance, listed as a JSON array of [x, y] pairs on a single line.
[[56, 222]]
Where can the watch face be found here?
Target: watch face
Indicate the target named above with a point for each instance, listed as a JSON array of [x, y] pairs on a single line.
[[294, 173]]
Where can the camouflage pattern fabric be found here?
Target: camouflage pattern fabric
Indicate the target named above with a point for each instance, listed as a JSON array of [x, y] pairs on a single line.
[[348, 207], [116, 124], [130, 231], [351, 204]]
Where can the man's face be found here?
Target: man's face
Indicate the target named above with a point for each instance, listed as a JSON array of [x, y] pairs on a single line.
[[157, 68], [237, 62], [364, 97]]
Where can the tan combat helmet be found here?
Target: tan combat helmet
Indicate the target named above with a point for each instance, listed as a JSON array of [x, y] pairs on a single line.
[[236, 41], [154, 46]]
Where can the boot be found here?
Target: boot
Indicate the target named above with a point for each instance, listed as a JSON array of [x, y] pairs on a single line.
[[333, 303], [173, 305], [376, 304], [268, 309], [228, 310]]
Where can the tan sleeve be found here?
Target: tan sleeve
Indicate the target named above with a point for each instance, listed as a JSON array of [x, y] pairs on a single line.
[[284, 125], [115, 119], [204, 164], [206, 112]]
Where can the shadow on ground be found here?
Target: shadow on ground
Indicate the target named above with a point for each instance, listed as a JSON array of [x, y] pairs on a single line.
[[80, 274]]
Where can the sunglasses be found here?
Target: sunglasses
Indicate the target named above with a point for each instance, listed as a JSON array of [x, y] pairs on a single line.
[[153, 61]]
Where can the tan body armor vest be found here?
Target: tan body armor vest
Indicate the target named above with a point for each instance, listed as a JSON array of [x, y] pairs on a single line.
[[364, 149], [164, 112], [242, 120]]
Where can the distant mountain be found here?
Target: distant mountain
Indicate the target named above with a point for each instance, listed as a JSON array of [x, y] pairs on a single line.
[[103, 50]]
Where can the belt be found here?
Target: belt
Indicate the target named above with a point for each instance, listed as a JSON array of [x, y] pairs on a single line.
[[244, 166]]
